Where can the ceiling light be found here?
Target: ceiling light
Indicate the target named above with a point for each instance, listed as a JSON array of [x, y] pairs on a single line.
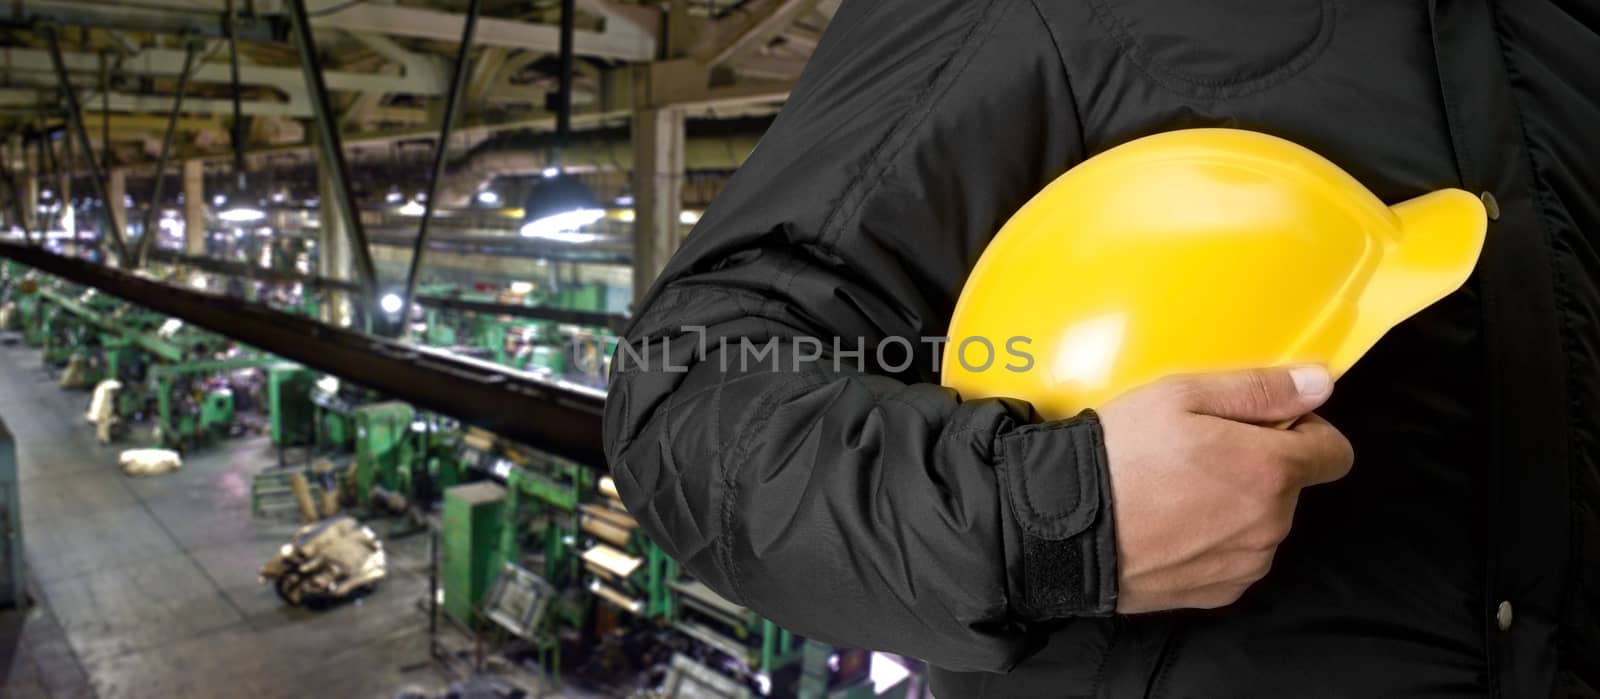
[[412, 208], [488, 197], [390, 303], [219, 200], [242, 213], [557, 207]]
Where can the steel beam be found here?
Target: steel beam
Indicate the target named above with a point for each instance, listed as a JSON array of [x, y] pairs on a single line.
[[75, 115], [416, 23], [212, 265], [168, 63], [151, 230], [557, 417], [458, 80], [332, 152], [762, 21], [119, 16]]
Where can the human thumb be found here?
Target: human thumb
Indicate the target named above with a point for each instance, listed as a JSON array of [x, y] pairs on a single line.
[[1259, 396]]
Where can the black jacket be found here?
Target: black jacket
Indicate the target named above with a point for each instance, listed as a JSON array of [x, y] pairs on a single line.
[[871, 508]]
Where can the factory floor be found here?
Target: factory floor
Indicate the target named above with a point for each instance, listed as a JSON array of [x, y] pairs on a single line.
[[146, 587]]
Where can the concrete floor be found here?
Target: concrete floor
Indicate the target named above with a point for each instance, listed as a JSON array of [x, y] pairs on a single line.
[[147, 587]]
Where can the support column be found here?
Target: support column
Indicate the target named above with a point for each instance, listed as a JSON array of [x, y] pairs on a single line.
[[31, 187], [194, 208], [117, 197], [25, 163], [334, 260], [68, 217], [658, 172]]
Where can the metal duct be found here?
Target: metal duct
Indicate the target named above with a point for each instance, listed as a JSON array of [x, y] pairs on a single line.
[[710, 145]]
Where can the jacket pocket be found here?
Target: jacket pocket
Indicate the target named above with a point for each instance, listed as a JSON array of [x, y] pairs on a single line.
[[1218, 48]]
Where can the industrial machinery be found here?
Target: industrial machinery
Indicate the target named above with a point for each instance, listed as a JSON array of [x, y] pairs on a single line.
[[534, 544], [563, 351], [289, 404], [196, 401], [385, 449]]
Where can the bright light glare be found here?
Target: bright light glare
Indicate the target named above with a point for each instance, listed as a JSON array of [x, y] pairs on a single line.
[[885, 673], [560, 227], [394, 196], [488, 197], [242, 214], [689, 218], [219, 200], [412, 208], [390, 303], [521, 287], [552, 171], [625, 200]]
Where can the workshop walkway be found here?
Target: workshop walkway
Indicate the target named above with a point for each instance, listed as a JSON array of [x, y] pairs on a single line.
[[147, 587]]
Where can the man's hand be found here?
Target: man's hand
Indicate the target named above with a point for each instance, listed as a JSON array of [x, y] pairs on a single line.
[[1203, 486]]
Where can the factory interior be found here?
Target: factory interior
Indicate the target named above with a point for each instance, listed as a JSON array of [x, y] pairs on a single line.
[[307, 309]]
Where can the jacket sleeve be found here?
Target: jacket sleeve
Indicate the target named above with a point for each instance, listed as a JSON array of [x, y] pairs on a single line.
[[775, 422]]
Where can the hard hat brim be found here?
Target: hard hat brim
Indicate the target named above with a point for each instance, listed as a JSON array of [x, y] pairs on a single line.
[[1441, 237]]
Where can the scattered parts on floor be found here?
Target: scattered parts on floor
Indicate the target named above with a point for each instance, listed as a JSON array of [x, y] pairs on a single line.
[[149, 462], [326, 562]]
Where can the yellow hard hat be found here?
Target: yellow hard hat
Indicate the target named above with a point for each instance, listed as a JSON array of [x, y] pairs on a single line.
[[1195, 251]]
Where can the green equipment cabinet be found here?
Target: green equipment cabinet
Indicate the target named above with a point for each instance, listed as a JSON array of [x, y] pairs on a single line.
[[12, 575], [468, 558], [289, 403]]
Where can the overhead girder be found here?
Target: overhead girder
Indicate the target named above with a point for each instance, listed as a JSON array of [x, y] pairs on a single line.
[[416, 79]]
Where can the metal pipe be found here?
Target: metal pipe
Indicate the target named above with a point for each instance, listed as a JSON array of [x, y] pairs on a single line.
[[75, 116], [569, 18], [192, 51], [105, 107], [451, 105], [238, 134], [332, 154]]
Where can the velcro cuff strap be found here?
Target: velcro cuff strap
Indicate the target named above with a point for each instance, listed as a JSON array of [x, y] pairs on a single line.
[[1057, 489]]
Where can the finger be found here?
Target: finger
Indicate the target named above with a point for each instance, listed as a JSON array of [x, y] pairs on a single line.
[[1316, 450], [1257, 396]]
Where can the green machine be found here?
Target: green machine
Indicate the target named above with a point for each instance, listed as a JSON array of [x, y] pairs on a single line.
[[384, 449], [187, 411], [541, 505], [289, 403], [469, 558], [333, 409], [32, 307]]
